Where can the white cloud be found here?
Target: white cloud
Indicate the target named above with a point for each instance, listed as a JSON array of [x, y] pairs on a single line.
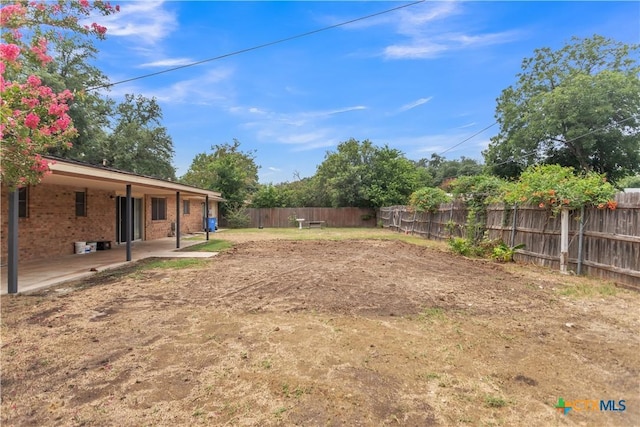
[[427, 32], [167, 63], [305, 130], [145, 21], [206, 89], [271, 168], [339, 111], [468, 125], [254, 110], [415, 104]]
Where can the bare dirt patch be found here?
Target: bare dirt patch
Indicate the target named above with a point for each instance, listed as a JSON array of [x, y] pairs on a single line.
[[356, 332]]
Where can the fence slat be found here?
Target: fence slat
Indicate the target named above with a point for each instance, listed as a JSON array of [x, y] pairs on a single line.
[[610, 244]]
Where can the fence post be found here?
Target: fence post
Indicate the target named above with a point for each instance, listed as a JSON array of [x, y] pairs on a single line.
[[564, 240], [580, 241], [413, 223], [512, 241]]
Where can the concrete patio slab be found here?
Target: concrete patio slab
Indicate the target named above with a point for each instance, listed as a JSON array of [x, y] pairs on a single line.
[[36, 275]]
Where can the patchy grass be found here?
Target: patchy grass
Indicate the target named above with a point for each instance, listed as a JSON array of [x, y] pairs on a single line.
[[431, 313], [589, 290], [494, 402], [176, 263], [214, 245]]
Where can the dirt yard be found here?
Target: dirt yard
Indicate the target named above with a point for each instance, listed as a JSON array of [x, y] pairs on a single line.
[[322, 333]]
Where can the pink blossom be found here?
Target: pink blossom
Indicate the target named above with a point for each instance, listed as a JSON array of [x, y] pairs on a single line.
[[65, 95], [99, 29], [10, 12], [45, 91], [58, 109], [32, 120], [34, 81], [9, 52], [63, 122], [31, 102], [40, 50], [84, 3]]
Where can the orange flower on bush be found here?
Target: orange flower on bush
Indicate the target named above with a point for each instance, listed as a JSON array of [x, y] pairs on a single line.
[[612, 204]]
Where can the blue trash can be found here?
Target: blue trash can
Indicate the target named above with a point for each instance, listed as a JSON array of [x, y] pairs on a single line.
[[212, 224]]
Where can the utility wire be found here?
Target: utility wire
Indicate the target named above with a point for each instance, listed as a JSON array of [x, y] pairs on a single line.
[[238, 52], [472, 136]]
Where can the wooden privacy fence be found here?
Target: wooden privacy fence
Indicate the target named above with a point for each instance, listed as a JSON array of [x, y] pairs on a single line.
[[332, 217], [602, 243]]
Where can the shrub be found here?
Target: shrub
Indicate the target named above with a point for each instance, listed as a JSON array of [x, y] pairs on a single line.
[[461, 246], [428, 199], [238, 218], [556, 187], [504, 253]]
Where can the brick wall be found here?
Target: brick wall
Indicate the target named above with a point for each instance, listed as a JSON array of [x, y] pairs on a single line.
[[190, 223], [52, 228]]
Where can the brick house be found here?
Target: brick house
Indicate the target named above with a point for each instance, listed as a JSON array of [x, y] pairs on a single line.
[[80, 202]]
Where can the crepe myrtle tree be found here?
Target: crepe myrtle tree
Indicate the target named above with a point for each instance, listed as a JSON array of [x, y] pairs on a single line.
[[34, 118]]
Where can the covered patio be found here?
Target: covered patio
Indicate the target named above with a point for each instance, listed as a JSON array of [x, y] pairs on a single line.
[[43, 226], [40, 274]]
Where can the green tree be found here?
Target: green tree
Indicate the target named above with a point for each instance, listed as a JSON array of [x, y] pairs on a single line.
[[442, 170], [393, 178], [577, 106], [139, 143], [228, 170], [303, 192], [360, 174], [71, 69], [632, 181], [269, 196], [344, 175]]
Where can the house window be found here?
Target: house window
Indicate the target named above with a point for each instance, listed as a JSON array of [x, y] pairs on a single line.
[[23, 202], [81, 203], [158, 208], [186, 207]]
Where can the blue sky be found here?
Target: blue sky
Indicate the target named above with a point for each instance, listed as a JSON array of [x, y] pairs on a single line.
[[421, 79]]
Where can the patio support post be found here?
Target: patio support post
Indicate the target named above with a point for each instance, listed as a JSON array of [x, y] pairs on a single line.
[[177, 220], [128, 221], [206, 216], [12, 273]]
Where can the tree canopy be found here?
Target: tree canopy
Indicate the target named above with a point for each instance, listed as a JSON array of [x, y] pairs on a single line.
[[138, 142], [360, 174], [229, 170], [442, 170], [577, 106]]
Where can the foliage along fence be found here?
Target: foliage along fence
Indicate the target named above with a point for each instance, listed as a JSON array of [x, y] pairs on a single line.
[[608, 247], [332, 217]]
